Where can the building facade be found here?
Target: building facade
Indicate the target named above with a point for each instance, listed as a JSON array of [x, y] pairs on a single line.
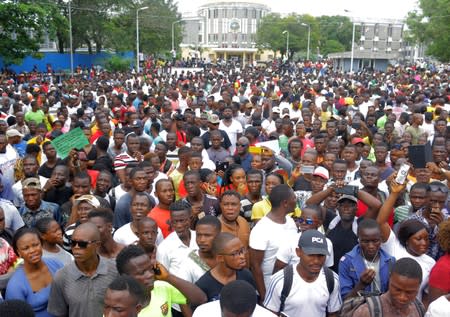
[[377, 44], [223, 30]]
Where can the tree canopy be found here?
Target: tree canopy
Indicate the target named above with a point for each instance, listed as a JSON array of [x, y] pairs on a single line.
[[431, 26], [328, 33], [96, 25]]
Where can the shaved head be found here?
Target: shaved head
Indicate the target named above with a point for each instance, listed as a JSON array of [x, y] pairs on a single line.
[[88, 231]]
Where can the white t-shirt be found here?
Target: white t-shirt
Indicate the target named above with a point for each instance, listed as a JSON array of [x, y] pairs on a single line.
[[232, 131], [212, 309], [172, 252], [394, 248], [439, 308], [286, 253], [191, 271], [268, 236], [7, 162], [117, 192], [126, 236], [304, 299]]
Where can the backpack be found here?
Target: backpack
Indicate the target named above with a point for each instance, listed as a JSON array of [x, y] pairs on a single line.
[[288, 275], [373, 303]]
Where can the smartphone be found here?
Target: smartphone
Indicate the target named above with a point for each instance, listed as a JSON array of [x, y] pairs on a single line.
[[222, 166], [402, 174], [306, 169]]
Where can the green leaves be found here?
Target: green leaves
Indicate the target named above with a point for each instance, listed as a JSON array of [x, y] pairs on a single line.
[[22, 28], [328, 33], [431, 26]]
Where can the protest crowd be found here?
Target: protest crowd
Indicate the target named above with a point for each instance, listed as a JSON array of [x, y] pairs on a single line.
[[283, 189]]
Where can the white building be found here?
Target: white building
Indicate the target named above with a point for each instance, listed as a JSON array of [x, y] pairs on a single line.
[[224, 29]]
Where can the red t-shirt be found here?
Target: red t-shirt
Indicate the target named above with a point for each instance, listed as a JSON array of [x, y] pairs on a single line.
[[362, 208], [162, 219], [440, 274]]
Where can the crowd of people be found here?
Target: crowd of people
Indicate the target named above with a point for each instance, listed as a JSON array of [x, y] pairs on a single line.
[[273, 190]]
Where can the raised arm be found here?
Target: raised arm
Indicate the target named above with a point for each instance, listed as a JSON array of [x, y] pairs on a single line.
[[387, 208]]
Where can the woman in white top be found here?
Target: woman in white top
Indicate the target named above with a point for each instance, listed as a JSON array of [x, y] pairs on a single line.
[[412, 240]]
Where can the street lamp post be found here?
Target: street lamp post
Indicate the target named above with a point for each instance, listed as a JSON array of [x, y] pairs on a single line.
[[309, 39], [353, 49], [137, 37], [70, 35], [287, 43], [173, 34]]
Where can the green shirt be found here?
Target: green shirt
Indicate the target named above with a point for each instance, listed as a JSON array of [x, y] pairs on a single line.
[[37, 116], [163, 296]]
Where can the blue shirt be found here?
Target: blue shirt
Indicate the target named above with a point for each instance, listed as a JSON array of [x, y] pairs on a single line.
[[352, 265], [20, 288], [46, 209]]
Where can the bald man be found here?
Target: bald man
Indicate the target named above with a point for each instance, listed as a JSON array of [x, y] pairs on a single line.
[[79, 288]]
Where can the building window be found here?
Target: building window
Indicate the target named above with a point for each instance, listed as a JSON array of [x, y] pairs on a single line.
[[245, 13], [200, 39], [254, 14], [216, 13], [234, 13]]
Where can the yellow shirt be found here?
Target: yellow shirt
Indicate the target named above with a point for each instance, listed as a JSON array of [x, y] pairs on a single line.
[[263, 207]]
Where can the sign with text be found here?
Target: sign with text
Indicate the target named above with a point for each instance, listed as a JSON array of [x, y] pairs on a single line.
[[74, 139]]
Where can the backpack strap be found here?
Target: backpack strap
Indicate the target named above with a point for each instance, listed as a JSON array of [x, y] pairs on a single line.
[[420, 307], [329, 276], [374, 305], [288, 276]]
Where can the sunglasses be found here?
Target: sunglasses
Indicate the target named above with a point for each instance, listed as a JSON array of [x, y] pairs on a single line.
[[307, 221], [241, 145], [437, 188], [82, 244]]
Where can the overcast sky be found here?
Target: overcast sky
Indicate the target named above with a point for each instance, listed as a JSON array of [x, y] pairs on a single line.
[[360, 9]]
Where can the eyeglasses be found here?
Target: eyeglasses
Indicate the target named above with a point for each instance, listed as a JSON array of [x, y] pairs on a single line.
[[235, 254], [82, 244], [437, 188], [307, 221]]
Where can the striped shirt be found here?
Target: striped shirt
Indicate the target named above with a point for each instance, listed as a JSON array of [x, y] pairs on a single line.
[[122, 160]]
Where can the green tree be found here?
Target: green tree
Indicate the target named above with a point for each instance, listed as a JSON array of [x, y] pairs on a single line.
[[23, 26], [431, 26], [328, 33], [155, 27]]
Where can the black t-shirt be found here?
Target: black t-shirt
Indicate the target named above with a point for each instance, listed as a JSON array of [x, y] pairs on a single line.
[[211, 287], [343, 241], [46, 171], [226, 143], [58, 195], [302, 184], [103, 163]]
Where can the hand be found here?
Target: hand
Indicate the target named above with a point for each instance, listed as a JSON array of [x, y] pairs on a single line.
[[436, 217], [242, 188], [138, 156], [393, 185], [163, 273], [296, 172], [340, 183], [433, 167], [367, 277], [196, 209], [211, 190], [39, 140], [221, 174]]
